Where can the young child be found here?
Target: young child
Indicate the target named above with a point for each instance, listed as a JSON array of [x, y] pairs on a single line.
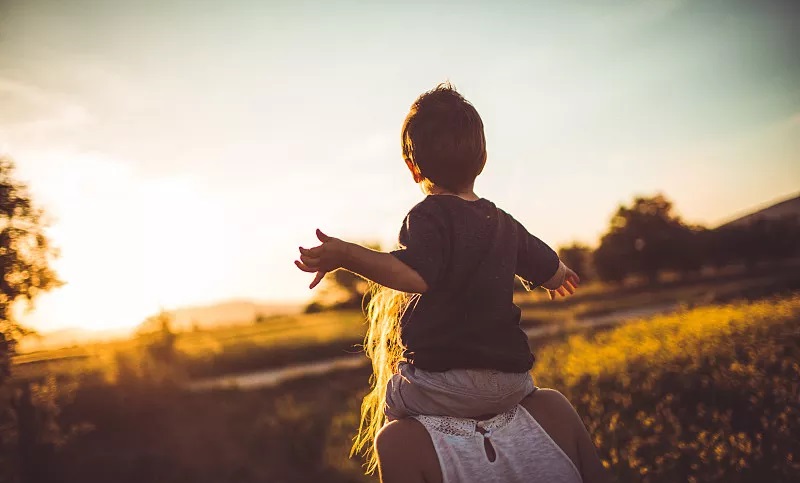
[[465, 354]]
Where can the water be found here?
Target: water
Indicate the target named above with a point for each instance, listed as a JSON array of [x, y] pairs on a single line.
[[277, 376]]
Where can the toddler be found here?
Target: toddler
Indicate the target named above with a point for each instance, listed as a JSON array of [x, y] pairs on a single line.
[[465, 353]]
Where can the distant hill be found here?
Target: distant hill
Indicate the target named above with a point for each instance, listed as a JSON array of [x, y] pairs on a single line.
[[69, 337], [234, 312], [782, 209]]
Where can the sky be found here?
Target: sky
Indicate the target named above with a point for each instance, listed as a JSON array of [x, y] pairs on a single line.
[[184, 149]]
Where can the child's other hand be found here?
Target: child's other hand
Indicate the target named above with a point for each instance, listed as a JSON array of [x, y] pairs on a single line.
[[322, 259], [571, 282]]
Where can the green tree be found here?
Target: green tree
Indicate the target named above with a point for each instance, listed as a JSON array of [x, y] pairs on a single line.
[[25, 259], [644, 239]]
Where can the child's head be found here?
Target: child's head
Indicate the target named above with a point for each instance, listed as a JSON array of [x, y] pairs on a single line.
[[443, 141]]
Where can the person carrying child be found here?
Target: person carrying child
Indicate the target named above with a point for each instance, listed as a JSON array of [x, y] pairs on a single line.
[[444, 334]]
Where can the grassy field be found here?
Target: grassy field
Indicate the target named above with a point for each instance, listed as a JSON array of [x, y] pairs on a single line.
[[707, 394], [276, 342], [712, 394], [279, 341]]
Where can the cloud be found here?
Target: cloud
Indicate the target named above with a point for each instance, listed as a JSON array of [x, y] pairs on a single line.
[[32, 111], [60, 103]]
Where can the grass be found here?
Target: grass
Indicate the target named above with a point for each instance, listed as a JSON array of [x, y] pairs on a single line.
[[709, 394], [279, 342], [300, 432], [596, 299], [284, 340], [276, 342]]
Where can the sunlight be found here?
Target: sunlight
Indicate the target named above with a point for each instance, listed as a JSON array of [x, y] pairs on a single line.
[[185, 166], [129, 244]]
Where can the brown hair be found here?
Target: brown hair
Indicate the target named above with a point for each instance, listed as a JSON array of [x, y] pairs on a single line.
[[443, 137]]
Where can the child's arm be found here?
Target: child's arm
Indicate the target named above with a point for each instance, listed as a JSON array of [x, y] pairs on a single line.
[[536, 260], [380, 267], [564, 282]]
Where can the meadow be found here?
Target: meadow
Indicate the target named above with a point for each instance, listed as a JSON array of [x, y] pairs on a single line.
[[707, 393], [710, 394], [281, 340]]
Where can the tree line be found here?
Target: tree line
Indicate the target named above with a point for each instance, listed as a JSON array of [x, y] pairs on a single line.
[[647, 238], [643, 240]]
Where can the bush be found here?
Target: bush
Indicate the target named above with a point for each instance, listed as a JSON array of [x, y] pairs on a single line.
[[710, 394]]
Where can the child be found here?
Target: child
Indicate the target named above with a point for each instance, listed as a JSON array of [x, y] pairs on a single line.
[[465, 354]]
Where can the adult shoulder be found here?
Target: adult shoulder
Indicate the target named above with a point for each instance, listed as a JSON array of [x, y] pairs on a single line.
[[556, 415], [548, 401], [406, 453]]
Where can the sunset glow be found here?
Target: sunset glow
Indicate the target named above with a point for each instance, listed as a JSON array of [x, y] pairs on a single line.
[[184, 150]]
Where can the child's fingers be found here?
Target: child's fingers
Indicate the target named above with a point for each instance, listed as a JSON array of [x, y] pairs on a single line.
[[322, 237], [310, 262], [312, 252], [302, 266], [571, 275], [562, 291], [568, 287], [551, 294], [317, 279]]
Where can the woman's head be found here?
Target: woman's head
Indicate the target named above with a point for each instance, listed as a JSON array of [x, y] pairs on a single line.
[[443, 141]]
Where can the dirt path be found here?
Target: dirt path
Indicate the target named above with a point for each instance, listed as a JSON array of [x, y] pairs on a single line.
[[276, 376]]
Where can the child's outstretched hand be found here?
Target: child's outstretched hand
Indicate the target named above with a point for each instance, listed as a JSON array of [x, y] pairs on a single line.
[[571, 282], [323, 258]]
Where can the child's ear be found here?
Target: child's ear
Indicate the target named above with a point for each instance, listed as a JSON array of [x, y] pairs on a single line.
[[414, 171]]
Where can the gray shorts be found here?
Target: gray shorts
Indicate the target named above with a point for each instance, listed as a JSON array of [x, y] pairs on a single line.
[[460, 393]]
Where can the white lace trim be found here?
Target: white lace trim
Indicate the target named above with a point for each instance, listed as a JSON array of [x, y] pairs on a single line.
[[466, 428]]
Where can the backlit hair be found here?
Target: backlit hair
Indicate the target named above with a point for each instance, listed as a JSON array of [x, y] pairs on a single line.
[[443, 137]]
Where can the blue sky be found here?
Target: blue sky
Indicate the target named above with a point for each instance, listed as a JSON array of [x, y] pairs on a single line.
[[184, 149]]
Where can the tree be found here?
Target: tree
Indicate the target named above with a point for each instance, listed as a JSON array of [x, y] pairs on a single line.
[[158, 331], [644, 239], [578, 257], [25, 259], [760, 240]]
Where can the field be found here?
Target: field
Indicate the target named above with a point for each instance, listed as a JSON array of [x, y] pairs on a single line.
[[275, 342], [282, 340], [707, 393], [712, 394]]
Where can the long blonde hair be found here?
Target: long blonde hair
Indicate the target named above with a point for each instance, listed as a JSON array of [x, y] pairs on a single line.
[[383, 346]]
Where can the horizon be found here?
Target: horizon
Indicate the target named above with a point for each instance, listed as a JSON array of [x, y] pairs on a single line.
[[166, 140], [301, 302], [112, 333]]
